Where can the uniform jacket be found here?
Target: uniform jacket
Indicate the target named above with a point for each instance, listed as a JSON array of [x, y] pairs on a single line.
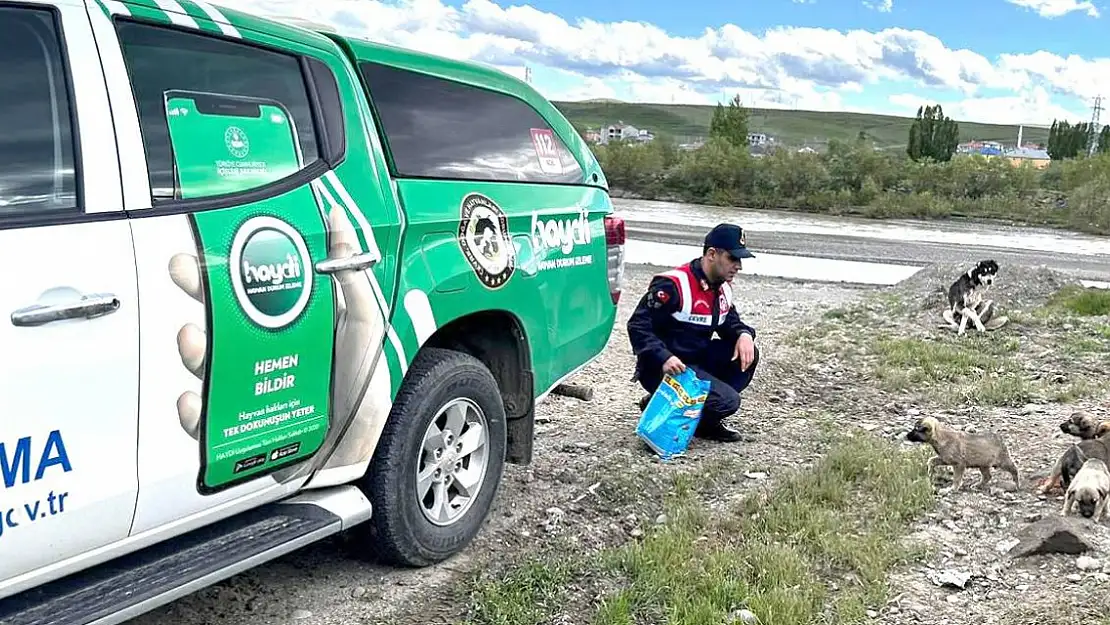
[[679, 315]]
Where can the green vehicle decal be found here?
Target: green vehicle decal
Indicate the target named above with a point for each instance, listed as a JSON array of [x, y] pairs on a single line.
[[268, 382], [548, 271]]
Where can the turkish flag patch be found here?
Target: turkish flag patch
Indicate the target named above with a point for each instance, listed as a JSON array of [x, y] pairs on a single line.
[[662, 296]]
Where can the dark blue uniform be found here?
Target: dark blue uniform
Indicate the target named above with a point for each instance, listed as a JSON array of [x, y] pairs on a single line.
[[678, 316]]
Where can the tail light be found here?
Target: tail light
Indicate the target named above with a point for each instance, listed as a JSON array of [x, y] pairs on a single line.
[[614, 244]]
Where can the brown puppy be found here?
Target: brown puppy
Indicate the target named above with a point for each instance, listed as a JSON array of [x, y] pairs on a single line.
[[962, 451], [1089, 490], [1081, 424], [1069, 462]]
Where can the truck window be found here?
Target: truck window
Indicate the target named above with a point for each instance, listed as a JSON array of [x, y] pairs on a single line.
[[203, 63], [37, 154], [437, 128]]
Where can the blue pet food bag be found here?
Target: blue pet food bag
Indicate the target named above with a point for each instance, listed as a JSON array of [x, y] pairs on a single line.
[[669, 419]]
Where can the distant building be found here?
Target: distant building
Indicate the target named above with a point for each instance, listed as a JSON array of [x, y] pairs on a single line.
[[621, 131], [758, 139], [986, 148], [1037, 157], [592, 136]]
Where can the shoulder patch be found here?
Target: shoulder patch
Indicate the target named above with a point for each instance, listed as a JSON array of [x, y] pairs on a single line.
[[658, 298]]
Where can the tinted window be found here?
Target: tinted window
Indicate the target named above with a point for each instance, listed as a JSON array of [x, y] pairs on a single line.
[[160, 59], [37, 142], [443, 129]]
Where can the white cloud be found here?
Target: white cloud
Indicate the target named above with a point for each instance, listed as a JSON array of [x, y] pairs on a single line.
[[1057, 8], [814, 68], [883, 6], [1032, 107]]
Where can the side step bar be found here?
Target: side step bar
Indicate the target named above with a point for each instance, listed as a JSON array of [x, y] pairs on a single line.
[[123, 588]]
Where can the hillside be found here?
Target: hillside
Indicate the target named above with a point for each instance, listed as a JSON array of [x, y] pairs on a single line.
[[788, 126]]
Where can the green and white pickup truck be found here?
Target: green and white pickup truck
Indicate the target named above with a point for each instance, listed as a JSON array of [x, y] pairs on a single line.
[[278, 284]]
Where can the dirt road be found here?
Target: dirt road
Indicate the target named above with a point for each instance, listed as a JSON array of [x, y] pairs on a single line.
[[887, 241]]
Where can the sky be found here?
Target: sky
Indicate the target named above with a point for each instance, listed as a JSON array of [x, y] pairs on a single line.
[[994, 61]]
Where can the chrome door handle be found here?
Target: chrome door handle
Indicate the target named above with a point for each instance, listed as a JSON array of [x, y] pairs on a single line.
[[88, 307], [355, 262]]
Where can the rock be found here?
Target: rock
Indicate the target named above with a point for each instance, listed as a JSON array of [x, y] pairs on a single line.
[[755, 475], [1087, 563], [300, 615], [1029, 409], [567, 477], [661, 519], [872, 614], [1006, 545], [1054, 534], [743, 616], [358, 592], [636, 532], [1075, 577], [954, 579]]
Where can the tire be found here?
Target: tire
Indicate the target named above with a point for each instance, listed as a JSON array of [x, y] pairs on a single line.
[[398, 532]]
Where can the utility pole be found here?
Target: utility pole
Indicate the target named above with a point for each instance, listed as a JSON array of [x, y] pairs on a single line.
[[1093, 130]]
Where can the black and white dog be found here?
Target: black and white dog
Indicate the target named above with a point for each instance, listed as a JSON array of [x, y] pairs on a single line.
[[966, 299]]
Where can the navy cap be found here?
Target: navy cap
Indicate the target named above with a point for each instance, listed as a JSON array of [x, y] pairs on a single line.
[[728, 237]]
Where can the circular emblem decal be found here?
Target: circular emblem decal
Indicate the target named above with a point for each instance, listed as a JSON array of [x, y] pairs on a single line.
[[270, 271], [236, 141], [484, 239]]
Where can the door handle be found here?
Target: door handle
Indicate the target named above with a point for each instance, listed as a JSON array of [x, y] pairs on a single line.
[[355, 262], [88, 307]]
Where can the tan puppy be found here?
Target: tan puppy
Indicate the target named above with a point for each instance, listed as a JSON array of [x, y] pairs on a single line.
[[1088, 489], [1069, 462], [1081, 424], [962, 451]]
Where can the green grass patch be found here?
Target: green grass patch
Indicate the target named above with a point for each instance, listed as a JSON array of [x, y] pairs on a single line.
[[526, 595], [817, 547], [972, 369], [1081, 301]]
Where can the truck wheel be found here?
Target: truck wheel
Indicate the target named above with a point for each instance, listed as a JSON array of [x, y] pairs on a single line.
[[438, 465]]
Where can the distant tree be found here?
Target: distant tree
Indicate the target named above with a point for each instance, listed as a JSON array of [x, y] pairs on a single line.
[[1103, 140], [1067, 141], [730, 124], [932, 135]]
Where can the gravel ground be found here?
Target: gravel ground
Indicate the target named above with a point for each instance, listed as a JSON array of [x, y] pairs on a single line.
[[577, 445], [592, 484]]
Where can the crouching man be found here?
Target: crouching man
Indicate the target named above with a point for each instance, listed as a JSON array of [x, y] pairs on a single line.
[[674, 324]]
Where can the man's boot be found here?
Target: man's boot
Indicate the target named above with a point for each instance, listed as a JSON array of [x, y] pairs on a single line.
[[714, 430]]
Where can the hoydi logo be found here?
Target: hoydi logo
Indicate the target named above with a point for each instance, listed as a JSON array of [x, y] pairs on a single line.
[[267, 263], [236, 141], [275, 273], [562, 234]]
